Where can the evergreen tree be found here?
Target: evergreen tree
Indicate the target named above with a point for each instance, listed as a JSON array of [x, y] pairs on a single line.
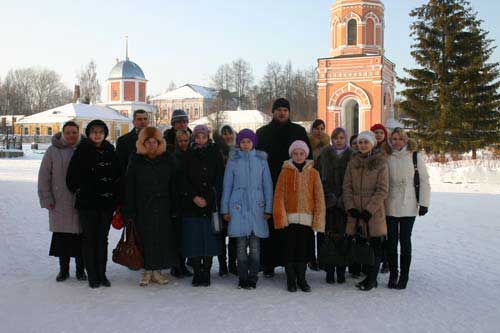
[[453, 93]]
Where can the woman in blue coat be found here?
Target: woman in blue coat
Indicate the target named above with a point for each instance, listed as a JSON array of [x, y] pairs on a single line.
[[246, 204]]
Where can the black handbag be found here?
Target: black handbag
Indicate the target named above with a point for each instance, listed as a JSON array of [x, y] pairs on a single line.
[[334, 252], [361, 252]]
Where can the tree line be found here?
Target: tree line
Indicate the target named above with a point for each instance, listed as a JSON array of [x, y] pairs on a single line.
[[26, 91], [236, 86]]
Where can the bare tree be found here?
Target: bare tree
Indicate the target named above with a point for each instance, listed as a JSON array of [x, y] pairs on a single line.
[[242, 79], [222, 80], [89, 84], [31, 90]]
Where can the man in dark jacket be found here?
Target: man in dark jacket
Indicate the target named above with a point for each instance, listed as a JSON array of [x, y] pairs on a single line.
[[179, 121], [275, 138], [125, 145]]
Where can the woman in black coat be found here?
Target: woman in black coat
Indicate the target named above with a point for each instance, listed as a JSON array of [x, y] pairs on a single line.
[[150, 202], [201, 188], [93, 174], [332, 164]]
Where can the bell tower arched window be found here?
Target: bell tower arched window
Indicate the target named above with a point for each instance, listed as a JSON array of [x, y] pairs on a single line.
[[352, 32]]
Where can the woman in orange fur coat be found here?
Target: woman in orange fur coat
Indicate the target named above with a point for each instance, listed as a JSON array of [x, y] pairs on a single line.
[[299, 208]]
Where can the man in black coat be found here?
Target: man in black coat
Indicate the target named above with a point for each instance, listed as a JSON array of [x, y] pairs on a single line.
[[179, 121], [125, 145], [275, 138]]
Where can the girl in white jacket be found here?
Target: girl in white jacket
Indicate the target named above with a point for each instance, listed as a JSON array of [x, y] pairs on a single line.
[[403, 204]]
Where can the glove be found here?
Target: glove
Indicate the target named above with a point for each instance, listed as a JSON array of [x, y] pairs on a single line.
[[354, 213], [365, 215], [422, 210]]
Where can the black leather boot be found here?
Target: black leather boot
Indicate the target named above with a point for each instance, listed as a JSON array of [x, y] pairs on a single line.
[[63, 269], [330, 274], [405, 271], [206, 268], [300, 269], [393, 271], [80, 269], [197, 272], [340, 274], [291, 278]]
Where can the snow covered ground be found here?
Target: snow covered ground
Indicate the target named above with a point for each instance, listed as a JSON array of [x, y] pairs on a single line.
[[454, 285]]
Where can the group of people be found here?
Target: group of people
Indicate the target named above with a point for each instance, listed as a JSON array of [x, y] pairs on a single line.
[[277, 194]]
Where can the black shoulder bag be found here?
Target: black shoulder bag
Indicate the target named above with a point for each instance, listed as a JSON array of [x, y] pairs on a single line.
[[416, 177]]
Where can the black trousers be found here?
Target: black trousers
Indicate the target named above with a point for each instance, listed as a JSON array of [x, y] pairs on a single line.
[[95, 224], [298, 243], [399, 230]]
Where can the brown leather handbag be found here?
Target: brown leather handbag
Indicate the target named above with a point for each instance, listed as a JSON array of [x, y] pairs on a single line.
[[128, 251]]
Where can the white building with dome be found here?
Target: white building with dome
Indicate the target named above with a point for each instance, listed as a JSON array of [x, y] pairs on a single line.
[[127, 89]]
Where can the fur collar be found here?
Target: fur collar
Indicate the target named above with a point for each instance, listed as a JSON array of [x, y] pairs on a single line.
[[288, 164], [150, 132], [236, 154], [372, 162], [319, 143]]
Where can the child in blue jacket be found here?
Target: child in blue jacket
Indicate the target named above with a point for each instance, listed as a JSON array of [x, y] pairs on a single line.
[[246, 204]]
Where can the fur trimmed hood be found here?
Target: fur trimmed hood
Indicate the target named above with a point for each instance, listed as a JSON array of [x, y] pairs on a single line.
[[150, 132], [319, 143], [59, 142], [372, 162], [236, 154]]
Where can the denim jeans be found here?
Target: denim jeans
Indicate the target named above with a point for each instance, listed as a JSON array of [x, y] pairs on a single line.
[[399, 230], [248, 261]]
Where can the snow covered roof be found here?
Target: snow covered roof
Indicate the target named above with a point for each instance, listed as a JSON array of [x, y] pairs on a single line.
[[126, 69], [238, 119], [73, 111], [187, 91]]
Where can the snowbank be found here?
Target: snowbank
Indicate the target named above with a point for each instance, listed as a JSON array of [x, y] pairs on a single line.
[[453, 285]]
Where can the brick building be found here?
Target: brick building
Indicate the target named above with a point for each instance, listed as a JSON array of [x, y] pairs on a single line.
[[356, 83]]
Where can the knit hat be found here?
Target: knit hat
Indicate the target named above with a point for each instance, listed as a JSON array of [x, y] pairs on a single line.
[[298, 144], [201, 129], [178, 115], [247, 134], [97, 123], [380, 127], [368, 135], [281, 103]]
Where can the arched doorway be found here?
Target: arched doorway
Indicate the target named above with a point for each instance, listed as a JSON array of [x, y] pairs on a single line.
[[350, 113]]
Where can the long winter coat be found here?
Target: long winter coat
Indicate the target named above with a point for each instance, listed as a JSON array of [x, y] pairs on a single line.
[[275, 139], [299, 198], [149, 201], [203, 173], [125, 147], [317, 145], [366, 185], [248, 193], [402, 199], [93, 174], [52, 189], [332, 168]]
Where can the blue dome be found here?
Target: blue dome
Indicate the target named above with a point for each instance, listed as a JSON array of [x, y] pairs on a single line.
[[126, 69]]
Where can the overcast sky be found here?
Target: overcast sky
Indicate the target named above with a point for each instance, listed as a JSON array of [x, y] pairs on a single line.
[[186, 40]]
